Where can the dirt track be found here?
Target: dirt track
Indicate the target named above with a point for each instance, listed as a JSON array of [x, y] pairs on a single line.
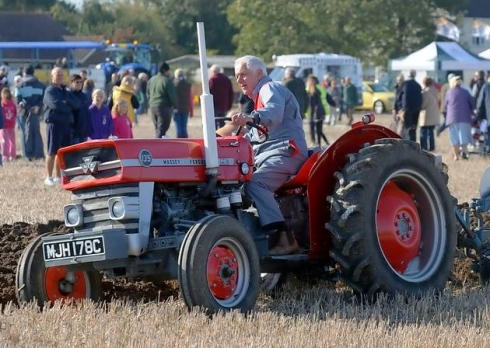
[[13, 240]]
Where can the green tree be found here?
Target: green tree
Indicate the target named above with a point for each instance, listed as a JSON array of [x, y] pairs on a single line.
[[373, 30]]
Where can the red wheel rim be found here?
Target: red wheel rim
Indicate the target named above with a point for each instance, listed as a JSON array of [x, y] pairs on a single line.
[[398, 227], [222, 272], [58, 287]]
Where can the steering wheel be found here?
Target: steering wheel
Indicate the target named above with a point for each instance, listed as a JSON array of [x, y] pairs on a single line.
[[263, 132]]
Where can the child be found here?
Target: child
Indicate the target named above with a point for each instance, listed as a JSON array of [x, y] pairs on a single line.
[[100, 116], [7, 134], [122, 124]]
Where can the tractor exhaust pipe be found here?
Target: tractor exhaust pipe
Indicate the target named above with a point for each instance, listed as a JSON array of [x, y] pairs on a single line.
[[207, 111]]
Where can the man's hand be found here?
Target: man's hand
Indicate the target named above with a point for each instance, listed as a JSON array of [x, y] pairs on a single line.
[[240, 119]]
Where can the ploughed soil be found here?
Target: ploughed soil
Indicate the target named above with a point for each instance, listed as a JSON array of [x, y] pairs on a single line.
[[14, 239]]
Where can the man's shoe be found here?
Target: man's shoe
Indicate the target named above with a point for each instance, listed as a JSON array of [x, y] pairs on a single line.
[[286, 245], [49, 181], [56, 180], [465, 156]]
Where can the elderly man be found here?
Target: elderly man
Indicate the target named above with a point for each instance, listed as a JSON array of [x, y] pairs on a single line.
[[59, 105], [278, 158], [222, 90]]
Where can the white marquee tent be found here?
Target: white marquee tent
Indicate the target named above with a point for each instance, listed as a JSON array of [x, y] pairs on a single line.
[[439, 58]]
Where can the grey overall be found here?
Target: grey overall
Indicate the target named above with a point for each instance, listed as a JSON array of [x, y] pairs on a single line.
[[282, 155]]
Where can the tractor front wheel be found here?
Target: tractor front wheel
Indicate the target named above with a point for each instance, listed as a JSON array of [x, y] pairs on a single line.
[[219, 266], [392, 220], [43, 284]]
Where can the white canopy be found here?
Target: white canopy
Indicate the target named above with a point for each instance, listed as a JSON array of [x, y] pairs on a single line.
[[441, 56]]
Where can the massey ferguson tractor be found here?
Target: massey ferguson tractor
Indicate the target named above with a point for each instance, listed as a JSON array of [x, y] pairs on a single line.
[[372, 205]]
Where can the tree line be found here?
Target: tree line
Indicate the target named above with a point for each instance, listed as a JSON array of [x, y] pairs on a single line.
[[373, 30]]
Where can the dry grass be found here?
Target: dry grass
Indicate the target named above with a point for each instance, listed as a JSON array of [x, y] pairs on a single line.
[[304, 315]]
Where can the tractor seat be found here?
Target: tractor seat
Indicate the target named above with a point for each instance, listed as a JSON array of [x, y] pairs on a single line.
[[301, 177]]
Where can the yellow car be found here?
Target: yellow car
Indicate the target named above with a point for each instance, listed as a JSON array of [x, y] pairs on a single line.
[[376, 97]]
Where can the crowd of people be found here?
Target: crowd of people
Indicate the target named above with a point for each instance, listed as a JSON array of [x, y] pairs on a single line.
[[323, 102], [78, 112], [431, 108]]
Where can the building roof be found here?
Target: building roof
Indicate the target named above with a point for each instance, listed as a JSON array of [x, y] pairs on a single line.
[[30, 27], [478, 9], [190, 60]]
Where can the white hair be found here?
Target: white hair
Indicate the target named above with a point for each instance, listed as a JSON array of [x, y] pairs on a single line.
[[178, 73], [290, 72], [215, 69], [253, 63]]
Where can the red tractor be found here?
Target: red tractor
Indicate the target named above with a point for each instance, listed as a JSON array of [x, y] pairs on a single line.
[[372, 205]]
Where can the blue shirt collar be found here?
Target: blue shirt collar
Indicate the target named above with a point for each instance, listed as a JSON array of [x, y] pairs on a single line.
[[261, 82]]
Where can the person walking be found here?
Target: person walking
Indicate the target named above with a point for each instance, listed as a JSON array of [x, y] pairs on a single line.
[[297, 87], [7, 133], [350, 99], [483, 107], [459, 107], [82, 127], [397, 105], [100, 116], [334, 91], [59, 104], [161, 99], [126, 91], [429, 114], [30, 101], [184, 100], [222, 90], [442, 102], [316, 111], [411, 102]]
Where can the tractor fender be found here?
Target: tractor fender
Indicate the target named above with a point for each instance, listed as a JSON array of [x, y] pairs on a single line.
[[321, 180]]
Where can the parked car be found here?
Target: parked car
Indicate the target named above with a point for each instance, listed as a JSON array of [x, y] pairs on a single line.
[[376, 97]]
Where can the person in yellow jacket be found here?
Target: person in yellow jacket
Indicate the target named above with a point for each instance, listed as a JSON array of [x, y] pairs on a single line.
[[125, 91]]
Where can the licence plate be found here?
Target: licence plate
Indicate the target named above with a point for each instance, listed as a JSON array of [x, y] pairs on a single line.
[[66, 249]]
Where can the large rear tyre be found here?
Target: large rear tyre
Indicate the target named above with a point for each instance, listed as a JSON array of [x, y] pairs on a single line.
[[392, 220], [46, 285], [219, 266]]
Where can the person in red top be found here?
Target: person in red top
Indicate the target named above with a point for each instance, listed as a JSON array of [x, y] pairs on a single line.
[[122, 124], [222, 90], [7, 134]]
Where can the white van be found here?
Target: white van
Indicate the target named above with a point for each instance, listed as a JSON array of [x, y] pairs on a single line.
[[336, 66]]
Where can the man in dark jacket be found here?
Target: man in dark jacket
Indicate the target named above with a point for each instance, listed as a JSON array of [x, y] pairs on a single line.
[[183, 90], [59, 104], [297, 87], [81, 128], [411, 97], [30, 99], [161, 99], [222, 90]]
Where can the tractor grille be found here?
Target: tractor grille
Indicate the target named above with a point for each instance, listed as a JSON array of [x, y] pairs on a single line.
[[92, 163], [96, 210]]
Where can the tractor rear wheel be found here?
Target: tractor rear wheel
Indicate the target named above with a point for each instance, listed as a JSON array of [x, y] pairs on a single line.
[[392, 220], [219, 266], [36, 282]]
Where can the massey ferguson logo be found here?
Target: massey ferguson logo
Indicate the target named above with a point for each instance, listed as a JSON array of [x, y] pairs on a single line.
[[145, 158], [89, 165]]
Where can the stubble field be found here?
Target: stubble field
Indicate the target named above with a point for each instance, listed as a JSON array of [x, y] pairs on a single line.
[[316, 314]]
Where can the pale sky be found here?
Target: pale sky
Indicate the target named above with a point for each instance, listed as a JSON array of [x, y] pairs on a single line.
[[77, 3]]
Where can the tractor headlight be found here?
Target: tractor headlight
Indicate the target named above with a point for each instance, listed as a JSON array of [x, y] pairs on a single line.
[[73, 215], [117, 209], [121, 208]]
